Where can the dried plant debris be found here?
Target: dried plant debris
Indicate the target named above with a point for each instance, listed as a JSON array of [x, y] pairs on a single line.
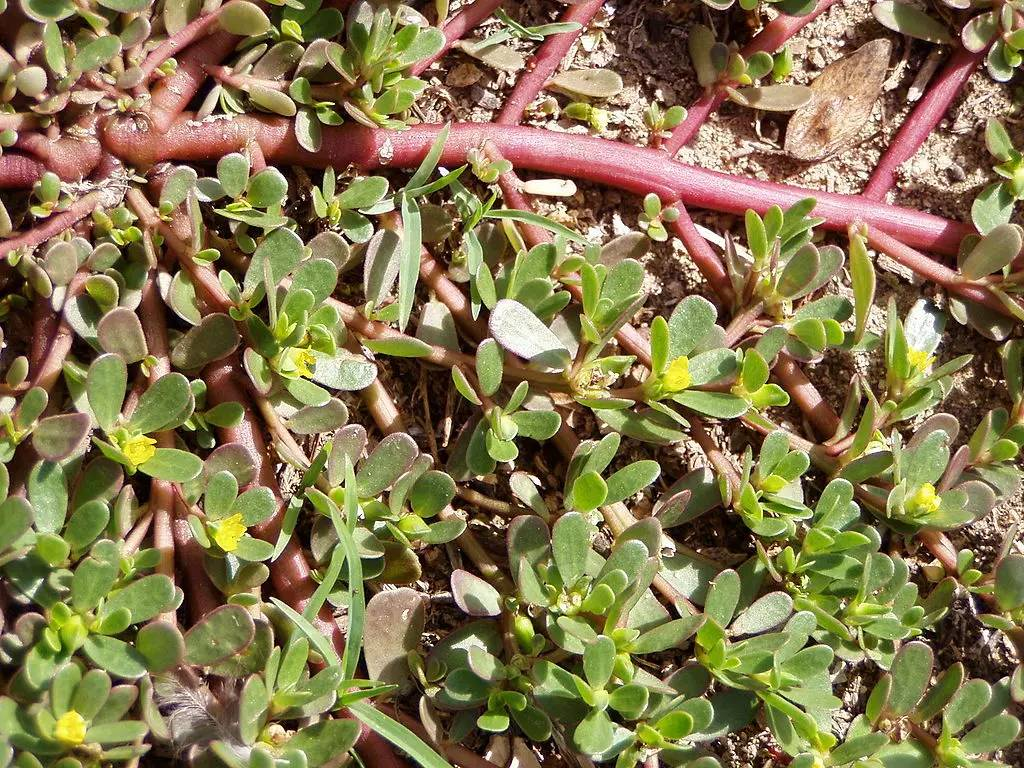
[[843, 97]]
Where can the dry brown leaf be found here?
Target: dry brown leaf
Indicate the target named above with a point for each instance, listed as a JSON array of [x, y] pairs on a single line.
[[843, 97]]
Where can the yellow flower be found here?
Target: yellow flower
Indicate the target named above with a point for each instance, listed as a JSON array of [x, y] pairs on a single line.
[[677, 377], [924, 500], [919, 359], [139, 449], [70, 728], [228, 532], [296, 361]]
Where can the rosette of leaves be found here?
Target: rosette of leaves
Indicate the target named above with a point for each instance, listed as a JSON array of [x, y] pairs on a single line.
[[100, 306], [721, 66], [771, 497], [970, 713], [1007, 590], [285, 691], [791, 681], [295, 353], [913, 383], [164, 406], [493, 437], [688, 353], [994, 206], [995, 443], [863, 600], [381, 45], [914, 501], [54, 438], [348, 209], [661, 122], [83, 719], [398, 495], [998, 26], [88, 606], [611, 296], [577, 595], [204, 420], [604, 688], [783, 267], [530, 279], [628, 721], [586, 488], [654, 217], [247, 201], [752, 383], [496, 692], [223, 529], [48, 197]]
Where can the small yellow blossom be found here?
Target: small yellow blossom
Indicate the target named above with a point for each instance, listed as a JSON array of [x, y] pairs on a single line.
[[70, 728], [228, 532], [677, 377], [919, 359], [296, 361], [924, 500], [139, 449]]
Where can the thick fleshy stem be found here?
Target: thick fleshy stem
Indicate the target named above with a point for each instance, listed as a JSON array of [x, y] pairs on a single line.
[[703, 256], [723, 466], [451, 296], [770, 39], [72, 156], [467, 19], [808, 399], [161, 494], [49, 369], [19, 172], [290, 574], [548, 58], [634, 169], [937, 273], [172, 94], [922, 120], [180, 40], [53, 226], [201, 595]]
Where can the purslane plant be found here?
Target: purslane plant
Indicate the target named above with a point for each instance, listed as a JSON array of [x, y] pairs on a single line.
[[190, 526]]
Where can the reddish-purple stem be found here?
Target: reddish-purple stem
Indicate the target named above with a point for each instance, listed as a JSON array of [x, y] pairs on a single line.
[[922, 121], [52, 226], [180, 40], [770, 39], [72, 157], [935, 272], [172, 94], [290, 574], [458, 26], [635, 169], [19, 172], [547, 59], [703, 256]]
